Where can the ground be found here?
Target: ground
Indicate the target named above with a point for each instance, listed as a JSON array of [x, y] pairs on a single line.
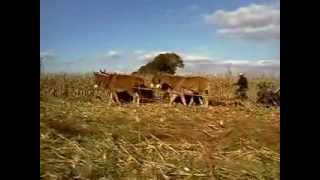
[[87, 139]]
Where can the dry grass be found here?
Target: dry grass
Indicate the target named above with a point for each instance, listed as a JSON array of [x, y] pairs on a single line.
[[83, 138]]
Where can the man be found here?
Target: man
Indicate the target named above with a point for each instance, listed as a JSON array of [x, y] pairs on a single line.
[[241, 92]]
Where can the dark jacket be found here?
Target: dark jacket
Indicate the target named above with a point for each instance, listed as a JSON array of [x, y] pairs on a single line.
[[242, 83]]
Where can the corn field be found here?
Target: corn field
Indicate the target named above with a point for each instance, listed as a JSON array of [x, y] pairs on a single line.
[[81, 86]]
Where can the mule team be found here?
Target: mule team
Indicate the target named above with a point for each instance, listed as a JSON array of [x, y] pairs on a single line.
[[172, 84]]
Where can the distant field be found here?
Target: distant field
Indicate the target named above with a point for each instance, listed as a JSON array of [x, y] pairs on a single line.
[[83, 137]]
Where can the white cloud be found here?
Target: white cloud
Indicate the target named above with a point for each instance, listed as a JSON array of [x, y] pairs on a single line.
[[194, 57], [45, 55], [194, 63], [259, 33], [275, 62], [259, 62], [113, 53], [234, 62], [201, 63], [258, 22], [148, 56], [185, 56], [256, 67]]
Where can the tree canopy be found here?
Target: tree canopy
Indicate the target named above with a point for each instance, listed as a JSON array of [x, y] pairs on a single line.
[[162, 63]]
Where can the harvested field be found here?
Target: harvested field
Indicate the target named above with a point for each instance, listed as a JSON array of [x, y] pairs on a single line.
[[84, 138]]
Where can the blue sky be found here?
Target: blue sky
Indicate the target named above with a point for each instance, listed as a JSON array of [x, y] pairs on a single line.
[[80, 36]]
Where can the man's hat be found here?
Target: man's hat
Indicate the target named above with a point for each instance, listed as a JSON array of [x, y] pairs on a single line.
[[241, 74]]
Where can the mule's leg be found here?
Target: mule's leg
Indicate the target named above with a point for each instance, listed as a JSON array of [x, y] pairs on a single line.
[[183, 99], [191, 101], [201, 101], [116, 97], [137, 98], [172, 98], [134, 98], [110, 98]]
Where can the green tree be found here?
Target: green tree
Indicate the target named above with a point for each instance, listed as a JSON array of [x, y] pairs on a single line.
[[162, 63]]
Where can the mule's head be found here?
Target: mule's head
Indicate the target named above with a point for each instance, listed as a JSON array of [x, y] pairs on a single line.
[[99, 79]]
